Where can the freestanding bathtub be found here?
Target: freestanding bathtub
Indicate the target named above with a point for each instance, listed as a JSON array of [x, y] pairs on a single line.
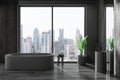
[[24, 61]]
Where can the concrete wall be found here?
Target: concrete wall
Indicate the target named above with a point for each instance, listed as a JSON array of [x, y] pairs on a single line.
[[102, 24], [91, 31], [117, 37], [8, 28]]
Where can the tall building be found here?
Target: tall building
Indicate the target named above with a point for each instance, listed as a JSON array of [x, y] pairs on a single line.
[[61, 34], [69, 51], [56, 48], [22, 46], [61, 40], [78, 34], [46, 42], [68, 41], [21, 39], [27, 45], [36, 40], [50, 40]]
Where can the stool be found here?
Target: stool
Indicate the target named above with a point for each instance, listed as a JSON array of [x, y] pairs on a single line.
[[62, 58]]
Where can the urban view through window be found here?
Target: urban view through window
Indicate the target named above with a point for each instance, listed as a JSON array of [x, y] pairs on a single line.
[[36, 30], [109, 24]]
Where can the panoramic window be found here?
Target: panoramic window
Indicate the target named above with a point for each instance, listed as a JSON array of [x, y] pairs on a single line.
[[109, 25], [36, 30]]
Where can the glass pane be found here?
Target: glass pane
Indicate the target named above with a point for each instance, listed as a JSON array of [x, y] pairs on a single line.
[[35, 29], [109, 24], [68, 23]]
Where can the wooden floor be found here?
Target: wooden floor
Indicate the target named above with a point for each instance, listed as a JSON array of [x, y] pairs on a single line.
[[70, 71]]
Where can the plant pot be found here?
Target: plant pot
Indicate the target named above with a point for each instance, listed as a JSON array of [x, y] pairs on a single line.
[[81, 59], [111, 62]]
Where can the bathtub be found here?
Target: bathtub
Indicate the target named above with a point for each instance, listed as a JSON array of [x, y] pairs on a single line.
[[24, 61]]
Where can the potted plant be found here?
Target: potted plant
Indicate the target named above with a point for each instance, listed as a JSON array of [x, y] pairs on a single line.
[[81, 44], [111, 44]]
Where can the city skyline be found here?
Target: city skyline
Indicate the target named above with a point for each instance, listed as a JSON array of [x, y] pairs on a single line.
[[42, 43], [77, 31], [53, 34], [64, 17]]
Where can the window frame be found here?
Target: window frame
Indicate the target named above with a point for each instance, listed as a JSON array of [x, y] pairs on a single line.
[[48, 5]]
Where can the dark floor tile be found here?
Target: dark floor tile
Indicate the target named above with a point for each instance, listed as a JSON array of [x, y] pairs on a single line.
[[66, 72]]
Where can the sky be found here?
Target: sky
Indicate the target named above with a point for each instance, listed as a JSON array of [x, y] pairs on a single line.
[[34, 17], [109, 22], [68, 18]]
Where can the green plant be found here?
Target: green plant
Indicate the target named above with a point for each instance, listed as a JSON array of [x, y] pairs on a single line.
[[111, 43], [81, 44]]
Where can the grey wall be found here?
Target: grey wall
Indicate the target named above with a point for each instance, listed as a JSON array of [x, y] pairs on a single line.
[[117, 37], [8, 28], [102, 24], [91, 31]]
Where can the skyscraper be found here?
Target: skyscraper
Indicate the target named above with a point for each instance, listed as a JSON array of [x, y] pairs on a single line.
[[61, 34], [78, 35], [27, 45], [36, 40], [50, 40], [46, 42], [69, 51], [21, 39], [61, 40], [59, 45]]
